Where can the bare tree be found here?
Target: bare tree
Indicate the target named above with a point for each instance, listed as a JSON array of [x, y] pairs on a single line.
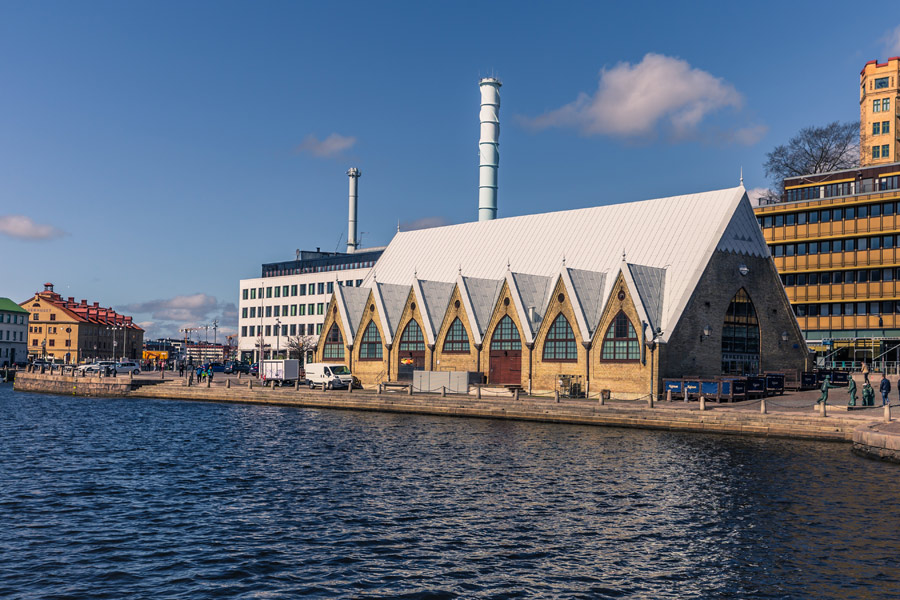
[[814, 150], [299, 345]]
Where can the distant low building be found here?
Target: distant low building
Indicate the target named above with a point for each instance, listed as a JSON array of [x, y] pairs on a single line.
[[13, 332], [74, 332]]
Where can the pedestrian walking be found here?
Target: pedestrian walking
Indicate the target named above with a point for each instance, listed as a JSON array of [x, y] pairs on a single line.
[[865, 372], [885, 389]]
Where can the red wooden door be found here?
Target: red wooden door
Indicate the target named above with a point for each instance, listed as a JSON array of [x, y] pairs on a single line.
[[506, 367]]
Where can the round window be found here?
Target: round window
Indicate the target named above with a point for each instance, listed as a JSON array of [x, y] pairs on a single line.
[[621, 295], [456, 304], [560, 298], [506, 302], [412, 306]]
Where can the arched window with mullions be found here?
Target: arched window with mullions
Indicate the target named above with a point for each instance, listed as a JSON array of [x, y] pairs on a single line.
[[621, 342], [740, 337], [370, 345], [560, 345], [506, 336], [334, 344], [457, 340], [412, 340]]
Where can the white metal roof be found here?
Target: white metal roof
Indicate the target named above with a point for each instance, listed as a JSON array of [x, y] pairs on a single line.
[[678, 234]]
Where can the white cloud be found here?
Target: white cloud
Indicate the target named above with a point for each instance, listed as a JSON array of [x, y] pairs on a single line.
[[892, 42], [635, 100], [22, 227], [170, 315], [180, 308], [330, 147]]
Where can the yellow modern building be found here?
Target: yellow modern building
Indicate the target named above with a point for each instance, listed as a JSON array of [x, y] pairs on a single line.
[[879, 92], [836, 243], [73, 332]]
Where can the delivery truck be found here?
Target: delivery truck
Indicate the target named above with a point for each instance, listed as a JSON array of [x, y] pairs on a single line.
[[277, 372]]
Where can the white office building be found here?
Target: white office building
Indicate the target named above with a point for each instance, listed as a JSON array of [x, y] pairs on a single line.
[[288, 301]]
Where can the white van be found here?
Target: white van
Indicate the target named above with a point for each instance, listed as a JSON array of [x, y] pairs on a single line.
[[329, 375]]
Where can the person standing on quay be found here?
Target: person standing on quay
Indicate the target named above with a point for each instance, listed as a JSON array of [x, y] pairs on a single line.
[[865, 372], [885, 389]]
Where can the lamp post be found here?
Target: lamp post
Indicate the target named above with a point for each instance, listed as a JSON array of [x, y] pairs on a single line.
[[277, 338]]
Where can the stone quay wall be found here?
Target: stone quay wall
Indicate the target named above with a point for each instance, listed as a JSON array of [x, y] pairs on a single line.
[[878, 441], [68, 385]]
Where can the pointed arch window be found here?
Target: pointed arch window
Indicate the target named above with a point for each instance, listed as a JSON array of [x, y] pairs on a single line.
[[506, 336], [740, 337], [412, 340], [457, 340], [621, 342], [370, 345], [334, 344], [560, 345]]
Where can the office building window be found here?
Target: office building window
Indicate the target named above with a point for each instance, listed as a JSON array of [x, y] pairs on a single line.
[[268, 311], [253, 294], [252, 330], [320, 308], [277, 311], [293, 310], [277, 292], [301, 329], [330, 287], [293, 290], [301, 309], [244, 331], [268, 330], [321, 288], [311, 308], [252, 312], [246, 292], [284, 291], [269, 292], [244, 313], [318, 329], [293, 329], [302, 289], [358, 282], [284, 329]]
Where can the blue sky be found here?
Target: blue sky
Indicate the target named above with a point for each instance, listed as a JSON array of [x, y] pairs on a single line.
[[152, 154]]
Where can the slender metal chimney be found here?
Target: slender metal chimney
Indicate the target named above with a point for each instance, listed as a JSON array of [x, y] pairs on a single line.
[[489, 148], [354, 175]]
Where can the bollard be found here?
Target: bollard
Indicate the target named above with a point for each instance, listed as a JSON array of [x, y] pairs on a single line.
[[408, 390], [350, 388], [650, 401], [556, 395], [702, 402], [131, 375], [516, 395], [668, 395], [208, 381], [443, 391], [478, 392], [227, 384], [297, 385], [162, 374], [239, 374], [378, 390], [762, 406], [249, 384], [601, 398], [887, 413]]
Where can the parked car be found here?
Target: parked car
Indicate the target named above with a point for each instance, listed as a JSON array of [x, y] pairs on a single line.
[[254, 369], [40, 362], [128, 367], [97, 367], [217, 367], [234, 366]]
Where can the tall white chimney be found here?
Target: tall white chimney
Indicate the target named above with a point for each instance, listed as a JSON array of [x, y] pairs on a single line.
[[354, 175], [489, 148]]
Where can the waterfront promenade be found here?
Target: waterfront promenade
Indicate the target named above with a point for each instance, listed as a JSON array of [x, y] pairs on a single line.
[[793, 415]]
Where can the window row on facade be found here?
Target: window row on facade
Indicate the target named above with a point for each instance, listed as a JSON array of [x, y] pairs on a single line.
[[12, 336], [280, 272], [826, 215], [292, 290], [620, 343], [285, 330], [825, 309], [283, 310], [848, 276], [881, 105], [881, 151], [877, 242], [881, 127]]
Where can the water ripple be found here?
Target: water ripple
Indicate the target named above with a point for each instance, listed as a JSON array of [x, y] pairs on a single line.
[[116, 498]]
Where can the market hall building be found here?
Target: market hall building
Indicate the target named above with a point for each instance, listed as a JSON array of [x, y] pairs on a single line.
[[614, 297]]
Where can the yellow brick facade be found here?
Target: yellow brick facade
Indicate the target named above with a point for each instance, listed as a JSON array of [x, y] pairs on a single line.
[[452, 361], [546, 373], [411, 311], [505, 306], [879, 93]]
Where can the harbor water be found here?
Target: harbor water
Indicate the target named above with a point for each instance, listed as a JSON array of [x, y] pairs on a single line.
[[136, 498]]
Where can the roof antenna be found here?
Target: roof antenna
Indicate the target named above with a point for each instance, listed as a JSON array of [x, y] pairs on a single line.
[[742, 175], [415, 273], [398, 225], [460, 269], [623, 254], [507, 263], [564, 260]]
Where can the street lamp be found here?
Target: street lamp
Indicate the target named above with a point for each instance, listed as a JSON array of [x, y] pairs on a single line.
[[277, 338]]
